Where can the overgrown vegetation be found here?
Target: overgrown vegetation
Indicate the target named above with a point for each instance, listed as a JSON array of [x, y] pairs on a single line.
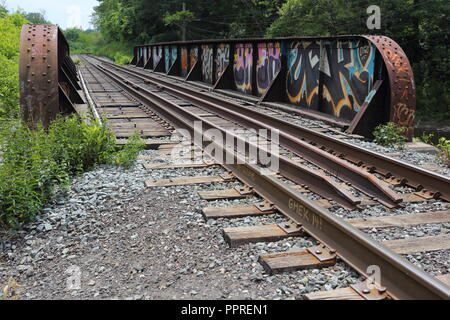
[[90, 41], [443, 145], [390, 135], [35, 162], [10, 26]]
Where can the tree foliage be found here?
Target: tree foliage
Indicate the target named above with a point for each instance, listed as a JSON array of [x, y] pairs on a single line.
[[158, 20], [10, 26]]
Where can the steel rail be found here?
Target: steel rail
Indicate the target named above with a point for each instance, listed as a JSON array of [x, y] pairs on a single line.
[[316, 181], [413, 176], [358, 178], [91, 103], [402, 279]]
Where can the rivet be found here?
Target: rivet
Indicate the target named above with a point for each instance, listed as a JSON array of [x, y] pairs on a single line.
[[287, 226], [382, 290], [44, 74], [49, 80], [318, 252], [366, 291], [332, 251]]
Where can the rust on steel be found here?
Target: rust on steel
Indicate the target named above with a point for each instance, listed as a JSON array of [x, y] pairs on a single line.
[[401, 81], [48, 79], [402, 279]]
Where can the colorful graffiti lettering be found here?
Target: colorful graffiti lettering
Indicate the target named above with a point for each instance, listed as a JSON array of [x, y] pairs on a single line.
[[193, 56], [157, 54], [303, 74], [268, 66], [243, 63], [345, 70], [173, 56], [222, 59], [207, 63]]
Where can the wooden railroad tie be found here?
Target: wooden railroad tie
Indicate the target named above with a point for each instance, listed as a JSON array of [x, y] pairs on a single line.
[[148, 142], [298, 259], [403, 220], [194, 164], [233, 193], [236, 236], [235, 211], [187, 181], [349, 293], [311, 258]]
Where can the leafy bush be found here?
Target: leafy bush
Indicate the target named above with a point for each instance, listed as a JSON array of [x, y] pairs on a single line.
[[34, 162], [80, 145], [128, 155], [444, 150], [390, 135], [122, 59]]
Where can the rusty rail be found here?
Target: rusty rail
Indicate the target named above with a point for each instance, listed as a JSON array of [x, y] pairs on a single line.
[[402, 279], [415, 177]]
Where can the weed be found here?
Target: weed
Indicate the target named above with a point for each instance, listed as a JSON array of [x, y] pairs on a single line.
[[444, 150], [128, 155], [390, 135]]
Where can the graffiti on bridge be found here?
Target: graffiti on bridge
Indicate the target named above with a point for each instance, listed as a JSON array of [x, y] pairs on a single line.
[[344, 69], [222, 59], [207, 63], [268, 66], [242, 68], [157, 54]]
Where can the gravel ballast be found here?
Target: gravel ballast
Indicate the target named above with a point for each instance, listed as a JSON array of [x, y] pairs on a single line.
[[129, 242]]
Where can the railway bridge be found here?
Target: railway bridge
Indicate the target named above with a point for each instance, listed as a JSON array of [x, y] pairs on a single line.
[[317, 99]]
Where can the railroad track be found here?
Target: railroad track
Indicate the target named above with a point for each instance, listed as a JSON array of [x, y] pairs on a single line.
[[317, 176]]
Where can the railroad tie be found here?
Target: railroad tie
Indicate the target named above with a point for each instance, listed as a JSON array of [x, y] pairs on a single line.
[[184, 181], [192, 164], [298, 259], [236, 236], [349, 293], [234, 211]]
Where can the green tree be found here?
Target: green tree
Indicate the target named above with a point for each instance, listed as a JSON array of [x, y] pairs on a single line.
[[37, 17], [10, 27]]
